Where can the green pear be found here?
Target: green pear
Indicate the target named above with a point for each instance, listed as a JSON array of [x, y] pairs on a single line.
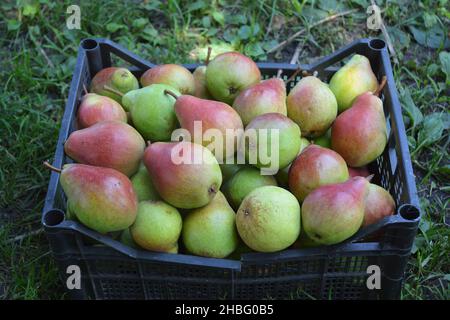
[[271, 141], [70, 215], [201, 90], [353, 79], [173, 75], [127, 239], [157, 226], [143, 186], [312, 105], [359, 134], [228, 74], [379, 204], [335, 212], [96, 108], [102, 199], [324, 140], [283, 175], [113, 82], [229, 169], [267, 96], [152, 111], [268, 219], [210, 231], [185, 174], [110, 144], [245, 181], [314, 167]]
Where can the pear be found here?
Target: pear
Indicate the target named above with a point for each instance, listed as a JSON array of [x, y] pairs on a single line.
[[261, 146], [96, 108], [304, 241], [185, 174], [245, 181], [228, 170], [103, 199], [283, 175], [173, 75], [143, 186], [70, 215], [210, 231], [266, 97], [314, 167], [157, 226], [312, 105], [127, 239], [229, 73], [359, 134], [110, 144], [113, 82], [268, 219], [324, 140], [333, 213], [201, 91], [358, 172], [213, 116], [152, 111], [379, 204], [353, 79]]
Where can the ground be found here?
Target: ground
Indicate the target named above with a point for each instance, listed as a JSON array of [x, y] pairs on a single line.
[[38, 57]]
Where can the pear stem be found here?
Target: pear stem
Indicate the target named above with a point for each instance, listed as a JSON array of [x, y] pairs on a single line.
[[369, 178], [208, 56], [381, 86], [296, 72], [85, 89], [108, 88], [49, 166], [149, 143], [170, 93]]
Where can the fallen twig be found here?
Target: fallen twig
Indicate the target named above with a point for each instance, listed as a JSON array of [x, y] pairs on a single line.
[[387, 37]]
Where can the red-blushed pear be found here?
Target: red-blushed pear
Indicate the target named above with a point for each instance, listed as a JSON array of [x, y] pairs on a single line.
[[114, 82], [201, 91], [96, 108], [267, 96], [172, 75], [103, 199], [157, 226], [353, 79], [110, 144], [229, 73], [312, 105], [334, 213], [185, 174], [210, 231], [210, 114], [358, 172], [359, 134], [379, 204], [314, 167], [268, 219]]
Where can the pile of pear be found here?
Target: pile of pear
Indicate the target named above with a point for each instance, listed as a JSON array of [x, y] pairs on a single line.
[[124, 178]]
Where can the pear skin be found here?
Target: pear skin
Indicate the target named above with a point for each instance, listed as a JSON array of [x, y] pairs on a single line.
[[334, 213], [359, 134], [228, 170], [267, 96], [127, 239], [143, 186], [228, 74], [185, 174], [210, 231], [173, 75], [353, 79], [212, 115], [358, 172], [324, 140], [152, 111], [268, 219], [312, 105], [103, 199], [283, 175], [96, 108], [119, 79], [157, 226], [379, 204], [110, 144], [201, 90], [314, 167]]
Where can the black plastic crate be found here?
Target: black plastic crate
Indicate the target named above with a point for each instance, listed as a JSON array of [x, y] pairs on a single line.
[[111, 270]]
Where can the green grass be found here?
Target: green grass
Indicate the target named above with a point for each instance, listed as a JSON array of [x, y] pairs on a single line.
[[38, 56]]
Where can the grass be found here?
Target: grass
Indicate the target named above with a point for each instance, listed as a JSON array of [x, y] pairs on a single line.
[[38, 58]]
